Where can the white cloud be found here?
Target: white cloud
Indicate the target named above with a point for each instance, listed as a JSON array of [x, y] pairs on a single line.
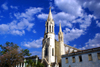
[[42, 16], [34, 44], [98, 23], [7, 28], [74, 7], [86, 22], [15, 28], [70, 6], [64, 16], [4, 6], [13, 7], [64, 19], [21, 23], [92, 5], [24, 23], [28, 14], [71, 34], [92, 43], [4, 28], [34, 31], [17, 32]]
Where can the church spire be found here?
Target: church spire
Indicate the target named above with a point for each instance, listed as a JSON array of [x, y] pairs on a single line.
[[60, 30], [60, 34], [50, 15]]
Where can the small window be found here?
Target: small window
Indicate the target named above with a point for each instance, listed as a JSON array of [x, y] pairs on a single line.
[[98, 56], [52, 51], [66, 60], [73, 59], [80, 58], [90, 57]]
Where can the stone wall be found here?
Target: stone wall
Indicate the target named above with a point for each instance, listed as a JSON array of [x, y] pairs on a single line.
[[57, 52]]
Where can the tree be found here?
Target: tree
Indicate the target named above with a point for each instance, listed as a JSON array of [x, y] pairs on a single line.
[[30, 63], [11, 54]]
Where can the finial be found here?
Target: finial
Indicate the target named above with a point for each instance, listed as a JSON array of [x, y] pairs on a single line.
[[60, 30], [50, 8]]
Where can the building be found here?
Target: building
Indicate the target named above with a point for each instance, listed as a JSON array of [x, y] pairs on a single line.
[[52, 50], [33, 58], [84, 58]]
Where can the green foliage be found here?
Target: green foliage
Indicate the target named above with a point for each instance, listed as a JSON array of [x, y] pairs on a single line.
[[29, 61], [33, 64], [26, 52], [39, 64]]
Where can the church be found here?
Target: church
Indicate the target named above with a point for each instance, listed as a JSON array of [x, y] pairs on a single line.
[[52, 50]]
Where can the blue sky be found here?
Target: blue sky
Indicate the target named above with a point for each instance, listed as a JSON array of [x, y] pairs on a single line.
[[23, 22]]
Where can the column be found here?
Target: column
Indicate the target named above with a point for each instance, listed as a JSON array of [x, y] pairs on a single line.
[[24, 65], [21, 64], [16, 65], [42, 52], [48, 65]]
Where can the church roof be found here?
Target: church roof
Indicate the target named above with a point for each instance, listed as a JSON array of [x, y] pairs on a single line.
[[82, 52], [72, 47]]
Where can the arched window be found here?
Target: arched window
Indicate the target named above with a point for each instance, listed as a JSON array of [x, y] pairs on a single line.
[[52, 51], [50, 28], [46, 51]]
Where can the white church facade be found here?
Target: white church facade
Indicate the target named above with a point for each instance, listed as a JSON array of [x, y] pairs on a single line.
[[52, 50]]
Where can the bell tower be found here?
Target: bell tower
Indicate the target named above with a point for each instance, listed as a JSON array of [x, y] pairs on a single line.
[[48, 47], [49, 26]]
